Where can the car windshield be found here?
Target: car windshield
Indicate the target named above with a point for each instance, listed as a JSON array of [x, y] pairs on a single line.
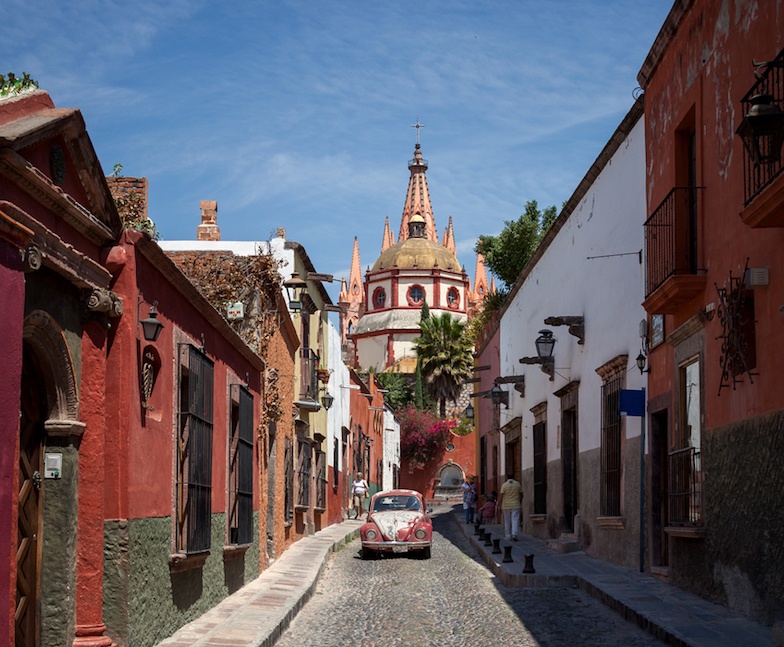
[[396, 502]]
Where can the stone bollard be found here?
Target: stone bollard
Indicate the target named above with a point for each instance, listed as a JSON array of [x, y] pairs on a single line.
[[529, 564], [496, 546], [488, 539], [507, 554], [478, 530], [481, 534]]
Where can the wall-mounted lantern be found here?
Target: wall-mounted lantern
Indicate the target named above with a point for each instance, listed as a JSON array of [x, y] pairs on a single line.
[[294, 286], [499, 396], [762, 130], [545, 343], [641, 363], [469, 411], [326, 401], [151, 326]]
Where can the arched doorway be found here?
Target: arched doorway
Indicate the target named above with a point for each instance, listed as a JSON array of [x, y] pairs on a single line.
[[29, 530]]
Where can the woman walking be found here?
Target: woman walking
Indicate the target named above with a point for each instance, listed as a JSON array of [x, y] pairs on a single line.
[[359, 492]]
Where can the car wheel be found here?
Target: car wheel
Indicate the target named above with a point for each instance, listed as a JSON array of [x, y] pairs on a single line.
[[425, 553], [368, 553]]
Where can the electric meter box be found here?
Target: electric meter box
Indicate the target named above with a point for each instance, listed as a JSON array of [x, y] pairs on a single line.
[[53, 466]]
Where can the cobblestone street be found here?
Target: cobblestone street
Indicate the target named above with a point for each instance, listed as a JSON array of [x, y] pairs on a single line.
[[449, 600]]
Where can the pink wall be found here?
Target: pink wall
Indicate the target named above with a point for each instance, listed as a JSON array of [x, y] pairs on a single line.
[[12, 299]]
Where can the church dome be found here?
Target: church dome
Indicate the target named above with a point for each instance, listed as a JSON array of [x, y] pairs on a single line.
[[417, 253]]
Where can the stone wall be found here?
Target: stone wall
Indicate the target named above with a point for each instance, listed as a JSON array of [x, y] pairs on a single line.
[[740, 563]]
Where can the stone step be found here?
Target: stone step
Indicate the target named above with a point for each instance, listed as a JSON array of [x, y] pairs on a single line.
[[565, 544]]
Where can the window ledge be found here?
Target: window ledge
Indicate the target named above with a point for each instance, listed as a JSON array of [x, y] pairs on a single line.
[[538, 518], [234, 551], [613, 523], [301, 508], [320, 508], [181, 562], [687, 532]]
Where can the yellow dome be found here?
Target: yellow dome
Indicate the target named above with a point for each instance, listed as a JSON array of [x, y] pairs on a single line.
[[417, 252]]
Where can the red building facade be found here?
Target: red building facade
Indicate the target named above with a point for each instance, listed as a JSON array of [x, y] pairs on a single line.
[[714, 294]]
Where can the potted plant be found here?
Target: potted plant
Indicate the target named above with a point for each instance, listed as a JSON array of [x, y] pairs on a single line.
[[322, 372]]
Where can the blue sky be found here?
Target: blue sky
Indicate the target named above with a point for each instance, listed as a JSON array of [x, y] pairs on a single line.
[[298, 113]]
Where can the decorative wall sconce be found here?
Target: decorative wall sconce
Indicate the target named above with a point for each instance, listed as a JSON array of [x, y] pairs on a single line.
[[151, 326], [469, 411], [762, 130], [641, 362], [326, 401], [545, 343], [294, 287], [499, 396]]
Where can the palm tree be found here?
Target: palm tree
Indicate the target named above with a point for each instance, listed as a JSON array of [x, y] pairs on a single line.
[[444, 351]]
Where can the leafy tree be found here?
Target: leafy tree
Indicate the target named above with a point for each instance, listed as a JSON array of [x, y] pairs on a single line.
[[400, 393], [507, 253], [444, 351]]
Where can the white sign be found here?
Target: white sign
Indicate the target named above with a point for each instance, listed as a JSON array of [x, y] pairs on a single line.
[[235, 311]]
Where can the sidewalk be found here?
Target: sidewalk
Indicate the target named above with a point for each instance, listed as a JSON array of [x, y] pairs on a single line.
[[257, 614], [670, 614]]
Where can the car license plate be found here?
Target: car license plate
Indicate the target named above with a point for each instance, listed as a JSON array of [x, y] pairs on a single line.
[[399, 549]]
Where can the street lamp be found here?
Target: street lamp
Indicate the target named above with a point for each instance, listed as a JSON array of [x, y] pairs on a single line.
[[294, 287], [327, 400], [469, 411]]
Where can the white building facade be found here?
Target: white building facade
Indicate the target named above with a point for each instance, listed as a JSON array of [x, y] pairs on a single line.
[[578, 459]]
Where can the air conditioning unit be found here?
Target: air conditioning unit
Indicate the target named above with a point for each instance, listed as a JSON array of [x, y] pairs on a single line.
[[756, 277]]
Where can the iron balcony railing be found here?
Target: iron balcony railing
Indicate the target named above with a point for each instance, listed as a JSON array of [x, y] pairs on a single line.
[[685, 487], [671, 238], [756, 177]]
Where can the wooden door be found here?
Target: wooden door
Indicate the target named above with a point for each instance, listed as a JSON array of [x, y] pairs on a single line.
[[569, 463], [28, 553]]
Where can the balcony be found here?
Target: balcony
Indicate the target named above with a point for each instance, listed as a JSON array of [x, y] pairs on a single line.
[[309, 388], [763, 186], [672, 276]]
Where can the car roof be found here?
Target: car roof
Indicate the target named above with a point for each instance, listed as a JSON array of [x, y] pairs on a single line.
[[399, 493]]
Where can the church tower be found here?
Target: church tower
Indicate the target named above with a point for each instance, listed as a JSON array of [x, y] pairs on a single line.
[[381, 317]]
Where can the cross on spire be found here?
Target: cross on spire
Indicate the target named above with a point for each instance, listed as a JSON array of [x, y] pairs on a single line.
[[417, 125]]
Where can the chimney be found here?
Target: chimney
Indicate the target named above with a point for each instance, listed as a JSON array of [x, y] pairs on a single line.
[[208, 229], [131, 196]]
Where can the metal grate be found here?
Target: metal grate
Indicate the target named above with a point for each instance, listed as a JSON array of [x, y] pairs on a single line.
[[540, 469], [288, 477], [685, 487], [241, 467], [321, 480], [303, 473], [611, 449], [194, 469], [308, 378]]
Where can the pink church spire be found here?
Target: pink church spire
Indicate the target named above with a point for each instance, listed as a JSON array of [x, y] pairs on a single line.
[[388, 239], [418, 195], [449, 237]]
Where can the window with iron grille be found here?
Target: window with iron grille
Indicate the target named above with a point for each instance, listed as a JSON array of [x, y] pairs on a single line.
[[303, 473], [241, 467], [335, 463], [288, 478], [194, 451], [540, 468], [321, 480], [684, 461], [611, 448]]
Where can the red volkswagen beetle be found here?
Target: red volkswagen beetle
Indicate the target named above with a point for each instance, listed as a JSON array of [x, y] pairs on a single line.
[[398, 522]]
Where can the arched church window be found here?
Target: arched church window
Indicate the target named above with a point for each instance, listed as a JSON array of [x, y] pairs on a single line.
[[453, 298], [379, 298], [415, 295], [350, 327]]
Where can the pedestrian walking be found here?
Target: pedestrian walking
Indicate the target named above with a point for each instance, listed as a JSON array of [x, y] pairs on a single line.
[[509, 501], [359, 492], [469, 498]]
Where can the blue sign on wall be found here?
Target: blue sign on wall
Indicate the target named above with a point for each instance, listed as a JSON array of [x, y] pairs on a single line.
[[632, 402]]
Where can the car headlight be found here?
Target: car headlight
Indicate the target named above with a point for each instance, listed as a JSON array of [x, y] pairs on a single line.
[[371, 535], [420, 533]]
